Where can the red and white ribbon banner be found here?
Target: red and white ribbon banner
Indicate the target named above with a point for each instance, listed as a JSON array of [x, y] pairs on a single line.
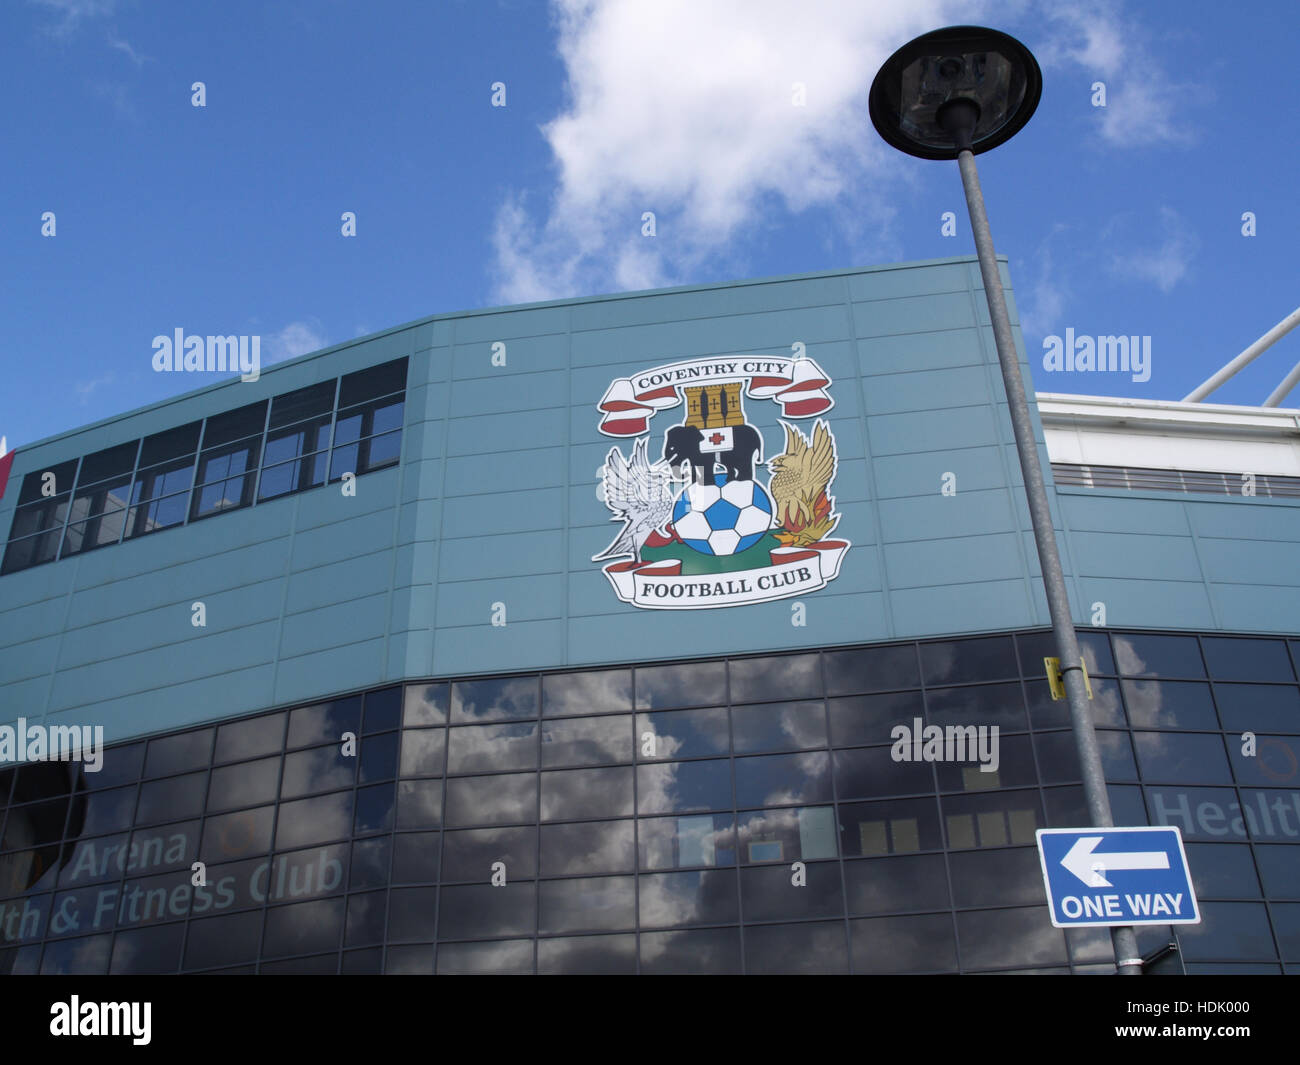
[[798, 385]]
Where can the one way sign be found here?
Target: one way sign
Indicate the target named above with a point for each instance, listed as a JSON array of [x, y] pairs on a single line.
[[1117, 876]]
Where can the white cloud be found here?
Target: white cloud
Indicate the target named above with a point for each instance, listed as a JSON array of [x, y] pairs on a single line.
[[71, 13], [1144, 105], [296, 338], [1165, 264], [1044, 297], [124, 46], [85, 389], [685, 109]]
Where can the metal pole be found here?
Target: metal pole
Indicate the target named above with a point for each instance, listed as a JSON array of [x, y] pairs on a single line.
[[1274, 400], [1249, 355], [1127, 959]]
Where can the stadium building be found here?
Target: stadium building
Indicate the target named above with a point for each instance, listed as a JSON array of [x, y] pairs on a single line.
[[577, 637]]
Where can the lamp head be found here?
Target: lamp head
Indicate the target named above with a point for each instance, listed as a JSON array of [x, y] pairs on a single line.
[[955, 88]]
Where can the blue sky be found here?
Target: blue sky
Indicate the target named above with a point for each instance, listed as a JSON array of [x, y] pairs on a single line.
[[225, 219]]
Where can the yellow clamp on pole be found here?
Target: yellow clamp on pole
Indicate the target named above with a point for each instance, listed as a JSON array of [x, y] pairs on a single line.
[[1057, 683]]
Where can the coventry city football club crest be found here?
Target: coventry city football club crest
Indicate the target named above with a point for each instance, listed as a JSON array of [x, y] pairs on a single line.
[[700, 529]]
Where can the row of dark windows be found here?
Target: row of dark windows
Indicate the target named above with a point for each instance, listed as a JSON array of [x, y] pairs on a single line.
[[698, 830], [262, 451]]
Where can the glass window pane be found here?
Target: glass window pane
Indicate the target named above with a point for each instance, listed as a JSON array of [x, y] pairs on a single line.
[[1275, 762], [1171, 758], [419, 804], [1279, 868], [475, 911], [235, 425], [683, 787], [424, 704], [508, 699], [365, 920], [986, 704], [904, 944], [245, 784], [705, 950], [370, 859], [998, 819], [1222, 870], [1021, 938], [248, 739], [599, 692], [986, 760], [1169, 704], [471, 855], [1035, 646], [871, 669], [170, 444], [237, 835], [1247, 659], [87, 956], [787, 836], [301, 404], [485, 748], [318, 769], [225, 940], [380, 451], [686, 684], [373, 382], [577, 794], [1046, 712], [590, 847], [325, 722], [375, 808], [869, 719], [997, 877], [378, 759], [178, 754], [318, 820], [587, 904], [682, 733], [690, 840], [897, 826], [962, 661], [770, 780], [1251, 707], [148, 950], [703, 897], [587, 955], [1145, 655], [412, 913], [767, 892], [490, 800], [886, 885], [778, 677], [1228, 930], [816, 947], [499, 957], [423, 752], [303, 928], [779, 727], [383, 710], [871, 772], [586, 740], [172, 799]]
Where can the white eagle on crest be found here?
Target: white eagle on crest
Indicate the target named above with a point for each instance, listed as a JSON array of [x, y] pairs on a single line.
[[640, 494]]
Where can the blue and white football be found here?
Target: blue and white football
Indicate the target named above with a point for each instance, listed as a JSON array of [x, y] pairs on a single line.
[[722, 519]]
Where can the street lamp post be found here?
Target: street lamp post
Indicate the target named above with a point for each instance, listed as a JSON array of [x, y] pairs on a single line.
[[952, 94]]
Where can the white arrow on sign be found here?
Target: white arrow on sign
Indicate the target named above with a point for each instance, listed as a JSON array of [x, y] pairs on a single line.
[[1092, 868]]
